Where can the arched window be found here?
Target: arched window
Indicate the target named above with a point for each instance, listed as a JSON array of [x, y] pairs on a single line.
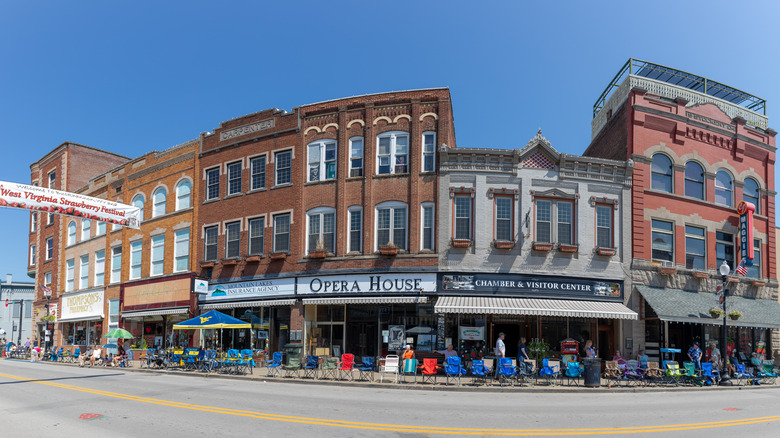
[[159, 202], [321, 229], [71, 233], [750, 193], [724, 189], [183, 192], [661, 171], [694, 180], [138, 201]]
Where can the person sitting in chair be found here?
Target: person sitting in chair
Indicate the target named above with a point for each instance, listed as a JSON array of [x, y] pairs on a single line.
[[85, 357], [95, 357]]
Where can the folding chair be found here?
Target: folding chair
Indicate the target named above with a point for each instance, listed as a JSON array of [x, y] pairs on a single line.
[[550, 370], [366, 368], [275, 367], [409, 367], [673, 375], [75, 356], [742, 375], [311, 367], [209, 361], [245, 362], [653, 373], [390, 366], [634, 374], [709, 375], [479, 371], [429, 370], [573, 372], [329, 368], [768, 373], [505, 371], [453, 370], [347, 366], [293, 366]]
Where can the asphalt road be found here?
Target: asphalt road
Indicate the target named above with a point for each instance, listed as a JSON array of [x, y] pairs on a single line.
[[44, 400]]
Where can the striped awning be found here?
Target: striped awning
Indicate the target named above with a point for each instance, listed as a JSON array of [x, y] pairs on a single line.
[[88, 318], [533, 306], [155, 312], [365, 300], [235, 304]]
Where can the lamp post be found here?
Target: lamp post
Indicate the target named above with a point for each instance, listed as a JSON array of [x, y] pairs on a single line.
[[46, 334], [725, 379]]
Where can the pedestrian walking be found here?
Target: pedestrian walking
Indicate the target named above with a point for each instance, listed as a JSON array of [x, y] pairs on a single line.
[[500, 346]]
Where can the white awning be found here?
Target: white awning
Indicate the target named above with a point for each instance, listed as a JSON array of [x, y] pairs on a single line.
[[365, 300], [234, 304], [88, 318], [156, 312], [533, 306]]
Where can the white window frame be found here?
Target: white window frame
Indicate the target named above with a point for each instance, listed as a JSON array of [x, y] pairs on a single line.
[[428, 150], [210, 232], [232, 227], [84, 271], [702, 238], [276, 234], [697, 180], [599, 226], [278, 170], [52, 179], [34, 222], [754, 271], [49, 248], [136, 259], [352, 211], [392, 206], [212, 176], [183, 198], [662, 231], [554, 221], [70, 273], [356, 155], [113, 314], [116, 264], [511, 219], [256, 170], [251, 250], [755, 200], [181, 250], [138, 201], [426, 207], [159, 201], [393, 154], [100, 268], [32, 255], [456, 217], [49, 218], [101, 228], [721, 190], [71, 233], [86, 229], [317, 215], [318, 163], [47, 278], [157, 255], [665, 175], [234, 172]]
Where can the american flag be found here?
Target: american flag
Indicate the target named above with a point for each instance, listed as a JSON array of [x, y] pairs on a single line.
[[46, 290], [742, 269]]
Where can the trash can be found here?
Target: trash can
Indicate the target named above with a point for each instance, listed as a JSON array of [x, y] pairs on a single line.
[[592, 371]]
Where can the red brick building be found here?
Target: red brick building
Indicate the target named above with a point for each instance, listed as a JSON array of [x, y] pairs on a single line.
[[336, 200], [699, 148]]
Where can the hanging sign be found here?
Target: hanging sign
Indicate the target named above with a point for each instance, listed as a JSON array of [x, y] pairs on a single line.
[[35, 198], [745, 210]]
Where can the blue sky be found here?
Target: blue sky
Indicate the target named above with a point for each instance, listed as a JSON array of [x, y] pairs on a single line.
[[132, 77]]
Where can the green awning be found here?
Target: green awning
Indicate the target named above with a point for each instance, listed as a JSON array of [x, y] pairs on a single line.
[[693, 307]]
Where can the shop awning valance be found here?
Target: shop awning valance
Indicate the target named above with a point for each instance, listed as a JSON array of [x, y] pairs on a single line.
[[235, 304], [88, 318], [693, 307], [365, 300], [155, 312], [533, 306]]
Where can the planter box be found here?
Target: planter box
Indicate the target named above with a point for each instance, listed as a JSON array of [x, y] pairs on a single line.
[[461, 243], [758, 283], [542, 246], [207, 264], [388, 250], [567, 248], [733, 279], [253, 258], [605, 251], [228, 262], [504, 244], [278, 255], [667, 270], [700, 274], [316, 254]]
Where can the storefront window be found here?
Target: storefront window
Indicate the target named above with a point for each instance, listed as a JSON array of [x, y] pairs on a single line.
[[326, 329]]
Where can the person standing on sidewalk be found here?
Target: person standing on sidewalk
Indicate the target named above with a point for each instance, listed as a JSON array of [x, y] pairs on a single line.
[[500, 346], [590, 353], [694, 354]]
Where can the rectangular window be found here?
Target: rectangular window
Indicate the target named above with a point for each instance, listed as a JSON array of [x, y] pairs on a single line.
[[101, 228], [232, 240], [322, 229], [135, 259], [257, 167], [429, 152], [210, 242], [604, 226], [49, 248], [755, 270], [86, 225], [356, 157], [100, 267], [52, 179], [565, 222], [256, 235], [113, 314], [462, 205], [393, 153], [724, 249], [695, 248], [282, 233], [34, 222], [234, 178], [116, 264], [212, 183], [503, 213], [543, 221], [181, 250], [554, 217], [355, 230], [663, 240], [84, 272], [391, 226], [70, 272], [322, 160], [49, 218], [158, 254], [427, 241], [47, 278], [32, 255], [283, 162]]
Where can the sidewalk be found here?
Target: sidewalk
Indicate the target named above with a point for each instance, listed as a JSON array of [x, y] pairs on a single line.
[[467, 383]]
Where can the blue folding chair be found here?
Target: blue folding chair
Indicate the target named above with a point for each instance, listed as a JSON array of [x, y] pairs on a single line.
[[453, 370], [479, 371], [311, 367], [505, 371], [275, 367], [550, 371], [246, 362], [209, 361], [409, 368], [366, 368], [573, 372]]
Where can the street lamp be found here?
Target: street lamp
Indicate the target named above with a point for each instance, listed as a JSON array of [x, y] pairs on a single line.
[[725, 379], [46, 334]]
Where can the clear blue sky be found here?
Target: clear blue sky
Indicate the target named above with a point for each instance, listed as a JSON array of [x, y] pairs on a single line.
[[132, 77]]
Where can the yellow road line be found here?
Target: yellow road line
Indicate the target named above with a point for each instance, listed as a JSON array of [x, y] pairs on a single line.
[[406, 428]]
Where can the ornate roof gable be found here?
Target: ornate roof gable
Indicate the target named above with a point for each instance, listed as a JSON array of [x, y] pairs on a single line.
[[539, 153]]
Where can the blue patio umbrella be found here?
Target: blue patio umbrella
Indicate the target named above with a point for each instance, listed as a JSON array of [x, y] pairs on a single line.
[[212, 320]]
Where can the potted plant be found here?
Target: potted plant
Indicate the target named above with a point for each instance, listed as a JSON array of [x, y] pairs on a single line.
[[389, 250], [318, 252], [538, 349], [461, 243], [735, 314], [716, 312]]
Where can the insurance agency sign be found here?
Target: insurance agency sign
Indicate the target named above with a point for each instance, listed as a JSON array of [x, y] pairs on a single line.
[[257, 289]]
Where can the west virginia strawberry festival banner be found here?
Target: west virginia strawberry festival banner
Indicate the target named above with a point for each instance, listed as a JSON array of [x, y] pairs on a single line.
[[13, 195]]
